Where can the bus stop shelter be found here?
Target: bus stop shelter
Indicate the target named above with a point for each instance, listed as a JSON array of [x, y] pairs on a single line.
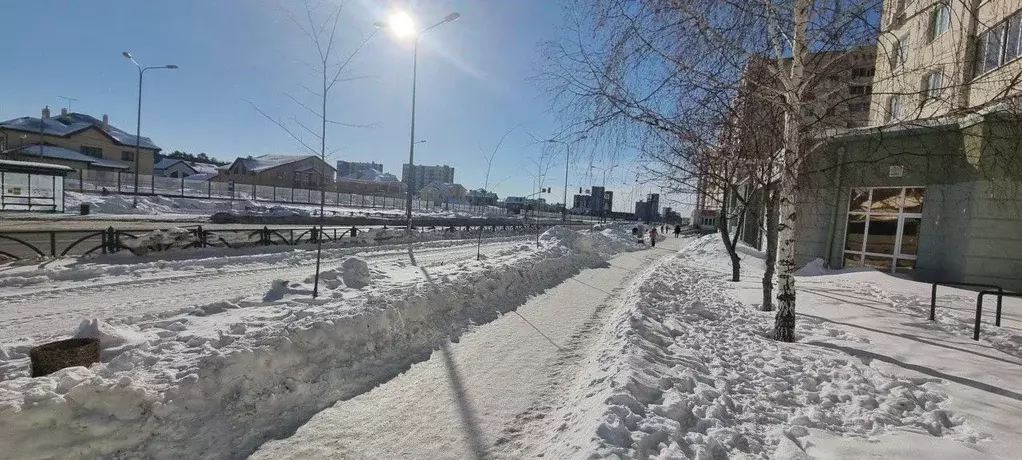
[[31, 186]]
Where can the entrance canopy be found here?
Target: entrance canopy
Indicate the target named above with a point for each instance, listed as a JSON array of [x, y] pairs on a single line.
[[31, 186]]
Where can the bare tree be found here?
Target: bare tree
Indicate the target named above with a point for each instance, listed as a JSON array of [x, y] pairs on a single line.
[[319, 23], [486, 182]]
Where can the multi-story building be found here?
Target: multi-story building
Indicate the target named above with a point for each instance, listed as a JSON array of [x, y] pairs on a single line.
[[350, 168], [940, 58], [420, 175], [79, 141], [931, 189]]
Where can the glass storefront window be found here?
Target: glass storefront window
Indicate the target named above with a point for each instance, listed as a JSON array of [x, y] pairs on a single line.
[[878, 262], [883, 227], [859, 200], [856, 232], [914, 200], [910, 235], [883, 232], [886, 200]]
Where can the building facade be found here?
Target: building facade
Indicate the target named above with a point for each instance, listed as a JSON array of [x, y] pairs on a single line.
[[294, 171], [421, 175], [76, 140], [945, 58], [348, 168], [932, 191]]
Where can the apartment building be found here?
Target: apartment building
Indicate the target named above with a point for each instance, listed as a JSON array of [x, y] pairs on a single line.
[[931, 189], [420, 175], [948, 57]]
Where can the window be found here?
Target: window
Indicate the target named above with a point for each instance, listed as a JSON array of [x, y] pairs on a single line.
[[127, 155], [297, 178], [280, 175], [863, 72], [1012, 48], [993, 53], [859, 90], [882, 229], [91, 151], [858, 107], [940, 21], [900, 53], [894, 108], [933, 84]]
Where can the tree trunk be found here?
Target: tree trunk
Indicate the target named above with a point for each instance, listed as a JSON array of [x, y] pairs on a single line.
[[772, 198], [725, 234], [784, 322]]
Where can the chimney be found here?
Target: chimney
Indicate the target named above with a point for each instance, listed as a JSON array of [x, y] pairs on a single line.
[[46, 113], [63, 112], [106, 123]]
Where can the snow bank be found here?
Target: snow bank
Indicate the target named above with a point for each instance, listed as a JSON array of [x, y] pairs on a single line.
[[694, 377], [218, 386]]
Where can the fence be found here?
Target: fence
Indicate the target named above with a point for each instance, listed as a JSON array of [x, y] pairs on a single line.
[[75, 243], [89, 181]]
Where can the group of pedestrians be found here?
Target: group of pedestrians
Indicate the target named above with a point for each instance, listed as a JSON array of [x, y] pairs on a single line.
[[654, 232]]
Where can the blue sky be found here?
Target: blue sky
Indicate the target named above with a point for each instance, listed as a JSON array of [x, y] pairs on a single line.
[[473, 81]]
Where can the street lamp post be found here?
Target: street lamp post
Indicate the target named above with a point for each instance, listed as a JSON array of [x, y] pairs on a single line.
[[138, 116], [567, 162], [402, 25], [603, 203]]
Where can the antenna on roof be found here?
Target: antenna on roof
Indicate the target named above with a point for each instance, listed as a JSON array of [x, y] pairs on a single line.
[[68, 100]]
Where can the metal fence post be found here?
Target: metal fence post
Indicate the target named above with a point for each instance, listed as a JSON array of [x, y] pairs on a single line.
[[182, 186], [118, 181], [152, 184]]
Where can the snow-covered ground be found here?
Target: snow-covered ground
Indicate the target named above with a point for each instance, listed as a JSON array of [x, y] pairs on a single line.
[[649, 354], [687, 371], [212, 375], [119, 207]]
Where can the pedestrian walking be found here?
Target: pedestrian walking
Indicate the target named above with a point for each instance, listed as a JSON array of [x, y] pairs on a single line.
[[652, 237], [677, 231]]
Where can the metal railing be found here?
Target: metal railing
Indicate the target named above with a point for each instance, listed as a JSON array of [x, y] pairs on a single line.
[[933, 294], [979, 308], [27, 244]]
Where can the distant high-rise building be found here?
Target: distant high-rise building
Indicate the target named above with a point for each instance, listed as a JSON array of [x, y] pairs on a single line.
[[422, 175], [347, 168]]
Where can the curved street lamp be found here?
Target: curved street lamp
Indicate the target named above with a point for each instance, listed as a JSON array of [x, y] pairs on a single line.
[[138, 116], [403, 25]]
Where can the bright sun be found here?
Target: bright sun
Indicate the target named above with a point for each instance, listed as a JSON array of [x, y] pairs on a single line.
[[401, 24]]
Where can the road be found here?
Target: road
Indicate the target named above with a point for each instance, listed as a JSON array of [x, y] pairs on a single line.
[[58, 307], [485, 396]]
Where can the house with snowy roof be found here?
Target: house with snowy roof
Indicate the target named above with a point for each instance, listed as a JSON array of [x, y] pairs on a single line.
[[297, 171], [175, 167], [76, 140]]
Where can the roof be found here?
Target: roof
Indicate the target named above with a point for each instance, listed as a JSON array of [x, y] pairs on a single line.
[[66, 125], [32, 166], [264, 162], [60, 153], [372, 175], [196, 167]]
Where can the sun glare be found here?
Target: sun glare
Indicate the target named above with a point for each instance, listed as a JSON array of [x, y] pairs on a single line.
[[401, 24]]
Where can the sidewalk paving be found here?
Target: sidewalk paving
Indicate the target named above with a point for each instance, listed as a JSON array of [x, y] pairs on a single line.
[[474, 398]]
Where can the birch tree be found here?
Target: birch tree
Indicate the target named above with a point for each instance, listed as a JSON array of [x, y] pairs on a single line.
[[319, 22], [667, 72]]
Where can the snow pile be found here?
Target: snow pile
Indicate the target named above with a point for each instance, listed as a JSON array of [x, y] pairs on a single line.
[[113, 339], [697, 378], [219, 383]]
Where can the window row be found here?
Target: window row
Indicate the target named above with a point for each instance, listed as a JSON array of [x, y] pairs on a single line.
[[999, 45]]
